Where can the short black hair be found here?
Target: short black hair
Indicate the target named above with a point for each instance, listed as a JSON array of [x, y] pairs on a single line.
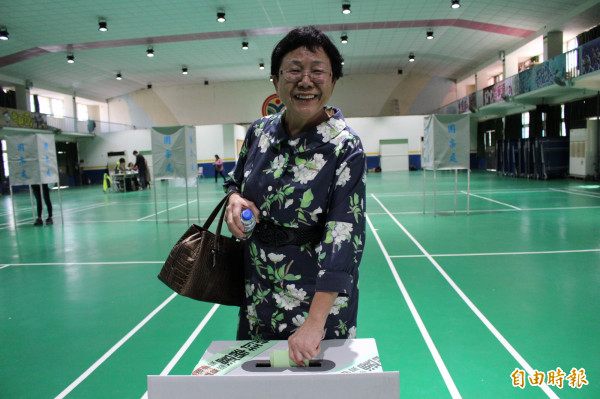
[[311, 38], [135, 152]]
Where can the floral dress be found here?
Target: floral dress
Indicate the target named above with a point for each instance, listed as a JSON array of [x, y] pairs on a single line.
[[316, 178]]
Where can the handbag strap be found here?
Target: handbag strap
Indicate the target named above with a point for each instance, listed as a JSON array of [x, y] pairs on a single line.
[[220, 207]]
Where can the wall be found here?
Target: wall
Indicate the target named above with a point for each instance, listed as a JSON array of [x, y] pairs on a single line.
[[241, 102]]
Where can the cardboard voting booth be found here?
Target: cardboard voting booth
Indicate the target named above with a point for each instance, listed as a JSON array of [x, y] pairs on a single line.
[[446, 146], [32, 160], [174, 157], [228, 369]]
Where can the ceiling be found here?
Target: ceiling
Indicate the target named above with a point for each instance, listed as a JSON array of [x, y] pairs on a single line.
[[382, 34]]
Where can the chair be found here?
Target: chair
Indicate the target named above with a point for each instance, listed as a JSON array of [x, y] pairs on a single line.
[[200, 171]]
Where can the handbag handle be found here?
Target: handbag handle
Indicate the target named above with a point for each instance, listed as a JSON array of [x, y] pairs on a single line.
[[220, 206]]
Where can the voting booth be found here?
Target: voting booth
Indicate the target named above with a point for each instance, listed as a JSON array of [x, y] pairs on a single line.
[[446, 146], [32, 160], [174, 157], [262, 369]]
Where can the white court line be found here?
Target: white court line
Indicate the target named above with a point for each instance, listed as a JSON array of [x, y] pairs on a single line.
[[474, 308], [413, 310], [420, 193], [112, 350], [3, 266], [568, 208], [187, 344], [87, 263], [575, 192], [489, 199], [500, 253], [154, 214]]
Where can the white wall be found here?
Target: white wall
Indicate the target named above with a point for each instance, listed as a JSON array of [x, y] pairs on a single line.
[[371, 130], [241, 102]]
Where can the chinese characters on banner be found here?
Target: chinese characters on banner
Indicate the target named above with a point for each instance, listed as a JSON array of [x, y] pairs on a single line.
[[576, 379], [446, 142], [32, 159], [174, 152]]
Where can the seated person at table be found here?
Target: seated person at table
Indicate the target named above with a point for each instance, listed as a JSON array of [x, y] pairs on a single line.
[[120, 168], [131, 166]]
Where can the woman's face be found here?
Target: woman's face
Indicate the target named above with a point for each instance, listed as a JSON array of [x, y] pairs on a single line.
[[304, 99]]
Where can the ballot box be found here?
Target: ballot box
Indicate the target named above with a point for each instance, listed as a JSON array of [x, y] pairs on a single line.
[[228, 369]]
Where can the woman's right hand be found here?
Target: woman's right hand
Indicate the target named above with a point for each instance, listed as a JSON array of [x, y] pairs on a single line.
[[233, 214]]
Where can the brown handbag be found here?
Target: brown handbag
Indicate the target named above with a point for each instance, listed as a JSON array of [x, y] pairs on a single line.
[[205, 266]]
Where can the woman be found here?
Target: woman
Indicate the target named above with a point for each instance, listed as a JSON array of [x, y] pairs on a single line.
[[218, 164], [302, 173]]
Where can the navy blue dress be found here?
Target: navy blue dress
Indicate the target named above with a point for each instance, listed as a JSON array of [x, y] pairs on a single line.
[[316, 178]]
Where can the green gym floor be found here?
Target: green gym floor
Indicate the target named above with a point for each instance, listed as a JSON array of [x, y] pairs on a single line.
[[456, 302]]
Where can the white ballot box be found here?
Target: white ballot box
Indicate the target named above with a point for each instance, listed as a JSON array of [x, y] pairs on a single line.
[[228, 369]]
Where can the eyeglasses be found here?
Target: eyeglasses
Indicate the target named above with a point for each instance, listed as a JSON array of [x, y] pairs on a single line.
[[295, 75]]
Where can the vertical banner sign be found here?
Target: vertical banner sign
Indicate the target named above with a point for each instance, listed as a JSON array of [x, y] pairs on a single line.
[[174, 152], [32, 159], [446, 142]]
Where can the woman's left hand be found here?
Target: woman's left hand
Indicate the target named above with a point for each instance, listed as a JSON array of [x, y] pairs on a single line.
[[305, 343]]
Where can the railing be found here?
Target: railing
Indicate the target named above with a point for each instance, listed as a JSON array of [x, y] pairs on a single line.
[[556, 71], [68, 124]]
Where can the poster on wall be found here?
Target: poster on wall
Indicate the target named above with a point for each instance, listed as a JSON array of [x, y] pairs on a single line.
[[446, 142], [590, 56], [544, 74], [174, 152], [31, 159]]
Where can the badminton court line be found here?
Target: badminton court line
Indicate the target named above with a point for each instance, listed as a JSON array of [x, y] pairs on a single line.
[[413, 310], [471, 305], [560, 208], [112, 350], [491, 200], [187, 344], [165, 210], [501, 253], [575, 193]]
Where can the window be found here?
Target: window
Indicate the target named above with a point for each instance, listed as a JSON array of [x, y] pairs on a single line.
[[82, 112], [525, 123], [48, 106], [4, 157], [563, 125], [544, 114]]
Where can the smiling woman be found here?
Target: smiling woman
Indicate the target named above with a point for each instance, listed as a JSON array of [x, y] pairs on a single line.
[[302, 174]]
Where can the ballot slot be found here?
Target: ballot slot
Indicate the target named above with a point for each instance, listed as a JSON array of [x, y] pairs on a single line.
[[311, 363], [264, 366]]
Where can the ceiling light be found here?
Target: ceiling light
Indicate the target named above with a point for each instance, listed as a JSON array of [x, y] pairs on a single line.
[[220, 16], [119, 76], [3, 33], [70, 58], [244, 45], [429, 35], [261, 65], [102, 25], [184, 70], [344, 38], [346, 8], [150, 52], [455, 4], [411, 57]]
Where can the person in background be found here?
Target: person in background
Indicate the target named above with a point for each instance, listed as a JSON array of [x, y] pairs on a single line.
[[120, 168], [218, 164], [37, 193], [302, 173], [142, 167], [131, 166]]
